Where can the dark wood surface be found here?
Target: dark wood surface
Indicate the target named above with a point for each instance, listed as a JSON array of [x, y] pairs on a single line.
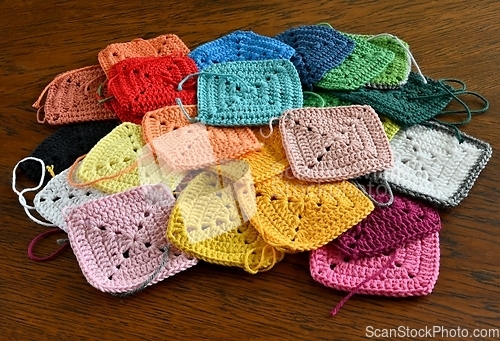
[[52, 300]]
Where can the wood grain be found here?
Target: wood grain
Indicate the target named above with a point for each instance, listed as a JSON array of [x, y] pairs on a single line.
[[52, 301]]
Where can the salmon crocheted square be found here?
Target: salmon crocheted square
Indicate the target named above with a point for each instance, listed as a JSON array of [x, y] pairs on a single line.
[[413, 271], [119, 240], [333, 144], [157, 47]]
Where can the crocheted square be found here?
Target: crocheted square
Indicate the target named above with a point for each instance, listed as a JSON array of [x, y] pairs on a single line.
[[247, 93], [366, 61], [206, 223], [139, 85], [295, 216], [317, 50], [240, 45], [224, 143], [390, 127], [157, 47], [64, 146], [323, 98], [432, 165], [71, 98], [59, 195], [119, 241], [333, 144], [413, 103], [389, 228], [413, 272]]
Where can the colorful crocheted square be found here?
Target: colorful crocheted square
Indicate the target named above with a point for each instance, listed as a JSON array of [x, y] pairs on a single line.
[[390, 127], [318, 49], [333, 144], [412, 271], [431, 164], [139, 85], [119, 240], [413, 103], [295, 216], [247, 93], [206, 223], [240, 45], [157, 47], [64, 146], [224, 143], [365, 62], [389, 228], [71, 98]]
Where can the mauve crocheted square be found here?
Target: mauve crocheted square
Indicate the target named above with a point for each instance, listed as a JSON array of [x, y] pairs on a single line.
[[156, 47], [388, 228], [333, 144], [64, 146], [431, 163], [414, 271], [247, 92], [240, 45], [318, 49], [139, 85], [71, 98], [119, 240]]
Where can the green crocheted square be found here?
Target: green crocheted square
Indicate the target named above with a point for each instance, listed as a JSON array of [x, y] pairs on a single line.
[[390, 127], [329, 99]]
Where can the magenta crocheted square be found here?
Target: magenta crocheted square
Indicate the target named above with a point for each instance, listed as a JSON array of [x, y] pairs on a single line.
[[413, 272], [119, 240], [333, 144]]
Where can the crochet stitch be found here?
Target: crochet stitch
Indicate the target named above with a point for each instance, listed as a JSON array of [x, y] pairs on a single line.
[[139, 85], [364, 63], [119, 240], [318, 49], [206, 222], [432, 165], [157, 47], [64, 146], [333, 144], [295, 216], [414, 271], [390, 127], [388, 228], [247, 93], [71, 98], [240, 45]]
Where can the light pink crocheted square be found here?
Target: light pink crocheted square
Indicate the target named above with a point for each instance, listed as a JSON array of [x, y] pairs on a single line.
[[333, 144], [119, 240], [414, 271]]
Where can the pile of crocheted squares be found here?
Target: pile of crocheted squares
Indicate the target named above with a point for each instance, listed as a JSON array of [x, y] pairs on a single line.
[[248, 148]]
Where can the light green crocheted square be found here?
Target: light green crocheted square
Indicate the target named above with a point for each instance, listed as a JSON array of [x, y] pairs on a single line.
[[390, 127], [329, 99]]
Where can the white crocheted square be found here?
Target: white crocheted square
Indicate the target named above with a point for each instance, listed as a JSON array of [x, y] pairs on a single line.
[[431, 163]]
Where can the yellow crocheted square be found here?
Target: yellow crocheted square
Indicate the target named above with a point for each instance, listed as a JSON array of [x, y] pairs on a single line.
[[390, 127]]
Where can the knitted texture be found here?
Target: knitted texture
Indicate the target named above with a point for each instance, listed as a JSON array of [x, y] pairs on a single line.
[[64, 146], [318, 49], [139, 85], [71, 98], [296, 216], [363, 64], [114, 153], [328, 96], [333, 144], [240, 45], [413, 103], [157, 47], [390, 127], [389, 228], [413, 271], [270, 160], [59, 195], [206, 223], [119, 241], [247, 93], [186, 152], [432, 165]]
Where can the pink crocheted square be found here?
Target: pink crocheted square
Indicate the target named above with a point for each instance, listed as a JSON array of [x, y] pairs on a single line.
[[414, 271], [333, 144], [119, 240]]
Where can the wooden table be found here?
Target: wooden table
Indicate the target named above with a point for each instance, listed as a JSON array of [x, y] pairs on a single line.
[[52, 300]]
